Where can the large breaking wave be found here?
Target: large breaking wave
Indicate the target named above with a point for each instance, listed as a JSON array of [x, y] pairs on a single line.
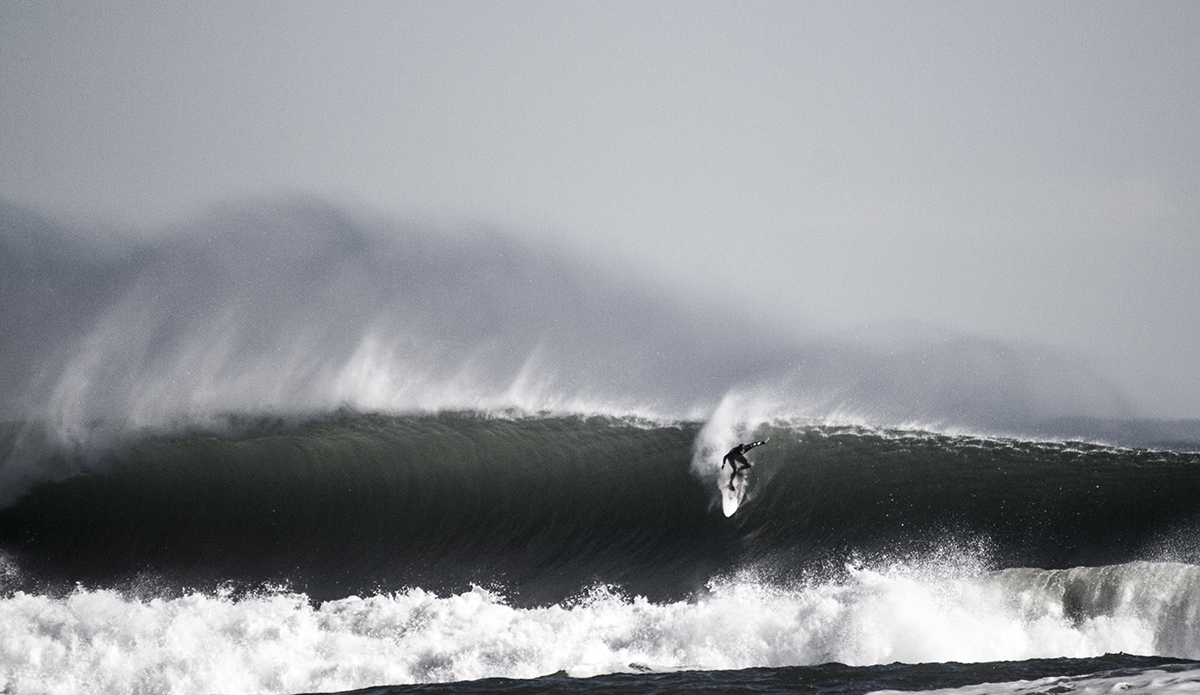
[[283, 448]]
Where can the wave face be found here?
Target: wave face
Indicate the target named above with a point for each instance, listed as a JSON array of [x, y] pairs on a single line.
[[542, 508], [358, 504]]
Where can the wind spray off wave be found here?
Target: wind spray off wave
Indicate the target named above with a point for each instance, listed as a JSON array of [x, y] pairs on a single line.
[[285, 308]]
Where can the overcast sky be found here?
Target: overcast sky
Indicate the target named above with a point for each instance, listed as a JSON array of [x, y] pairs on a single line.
[[1028, 171]]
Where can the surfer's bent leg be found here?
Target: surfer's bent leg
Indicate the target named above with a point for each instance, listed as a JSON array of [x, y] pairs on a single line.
[[738, 464]]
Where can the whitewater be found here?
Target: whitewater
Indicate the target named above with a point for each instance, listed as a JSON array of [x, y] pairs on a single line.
[[285, 449], [98, 641]]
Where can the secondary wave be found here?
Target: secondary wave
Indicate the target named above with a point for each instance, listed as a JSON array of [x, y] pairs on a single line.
[[99, 641]]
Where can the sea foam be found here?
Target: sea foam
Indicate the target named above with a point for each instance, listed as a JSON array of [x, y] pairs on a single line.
[[100, 641]]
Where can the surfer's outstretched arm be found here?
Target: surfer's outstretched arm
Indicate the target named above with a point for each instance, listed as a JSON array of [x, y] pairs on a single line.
[[751, 445]]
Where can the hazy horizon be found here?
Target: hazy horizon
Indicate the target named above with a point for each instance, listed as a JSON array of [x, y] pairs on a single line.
[[1018, 172]]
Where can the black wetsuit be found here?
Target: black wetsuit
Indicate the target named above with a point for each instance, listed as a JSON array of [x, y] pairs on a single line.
[[737, 455]]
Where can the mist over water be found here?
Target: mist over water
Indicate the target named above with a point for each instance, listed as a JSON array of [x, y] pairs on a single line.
[[293, 306]]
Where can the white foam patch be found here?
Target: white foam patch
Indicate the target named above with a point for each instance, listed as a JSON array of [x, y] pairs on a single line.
[[101, 642]]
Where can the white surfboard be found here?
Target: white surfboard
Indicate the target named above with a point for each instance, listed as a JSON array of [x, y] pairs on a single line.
[[730, 499]]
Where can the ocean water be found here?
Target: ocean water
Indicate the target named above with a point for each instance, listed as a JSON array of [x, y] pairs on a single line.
[[285, 451]]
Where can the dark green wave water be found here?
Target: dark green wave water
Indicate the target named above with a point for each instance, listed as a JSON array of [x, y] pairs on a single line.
[[541, 508]]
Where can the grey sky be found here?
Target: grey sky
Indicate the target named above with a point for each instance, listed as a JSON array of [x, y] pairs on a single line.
[[1026, 171]]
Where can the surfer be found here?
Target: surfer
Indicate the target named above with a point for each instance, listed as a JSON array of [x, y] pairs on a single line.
[[737, 455]]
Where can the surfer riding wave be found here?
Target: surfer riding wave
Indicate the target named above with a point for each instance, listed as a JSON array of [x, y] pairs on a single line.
[[736, 456]]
